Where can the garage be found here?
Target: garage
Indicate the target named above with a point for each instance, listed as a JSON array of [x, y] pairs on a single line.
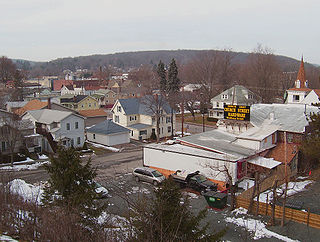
[[108, 133]]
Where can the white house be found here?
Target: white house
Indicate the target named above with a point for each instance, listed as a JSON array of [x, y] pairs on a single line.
[[70, 89], [236, 95], [313, 97], [136, 115], [300, 91], [108, 133], [64, 127]]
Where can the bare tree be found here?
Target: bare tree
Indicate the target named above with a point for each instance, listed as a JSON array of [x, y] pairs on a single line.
[[7, 69], [191, 99], [262, 73], [10, 133]]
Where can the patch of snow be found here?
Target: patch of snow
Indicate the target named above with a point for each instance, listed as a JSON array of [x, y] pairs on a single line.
[[43, 157], [246, 184], [258, 228], [34, 166], [240, 210], [28, 159], [104, 147], [170, 142], [6, 238], [27, 191], [293, 188], [191, 195], [138, 189]]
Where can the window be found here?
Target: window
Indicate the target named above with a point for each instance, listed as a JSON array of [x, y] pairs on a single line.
[[131, 132], [135, 117], [169, 129], [107, 95], [82, 105], [217, 104], [76, 125], [64, 142], [94, 136], [130, 118], [89, 105], [133, 94], [153, 120], [114, 95], [162, 130], [168, 119], [224, 96], [161, 119], [142, 132], [250, 96], [75, 106], [68, 126], [116, 118], [78, 140], [218, 114], [119, 109], [296, 98], [72, 142]]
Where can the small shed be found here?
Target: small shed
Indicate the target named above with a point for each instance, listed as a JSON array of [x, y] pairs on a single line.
[[108, 133]]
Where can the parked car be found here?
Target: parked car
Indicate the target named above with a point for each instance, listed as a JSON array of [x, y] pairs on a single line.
[[100, 190], [195, 181], [148, 174]]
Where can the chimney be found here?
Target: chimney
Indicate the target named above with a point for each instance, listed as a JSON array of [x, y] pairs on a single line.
[[49, 103]]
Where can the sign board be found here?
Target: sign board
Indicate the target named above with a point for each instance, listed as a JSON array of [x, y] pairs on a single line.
[[237, 112]]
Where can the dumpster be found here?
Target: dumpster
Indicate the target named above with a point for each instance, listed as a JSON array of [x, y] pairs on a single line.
[[216, 199]]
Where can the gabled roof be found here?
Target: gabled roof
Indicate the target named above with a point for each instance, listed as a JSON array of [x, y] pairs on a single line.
[[31, 105], [237, 95], [48, 116], [74, 99], [141, 105], [93, 113], [69, 87], [107, 127]]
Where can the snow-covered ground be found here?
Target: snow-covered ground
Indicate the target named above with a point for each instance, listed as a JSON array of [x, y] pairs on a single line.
[[43, 157], [104, 147], [27, 191], [254, 226], [6, 238], [246, 184], [17, 167], [293, 188]]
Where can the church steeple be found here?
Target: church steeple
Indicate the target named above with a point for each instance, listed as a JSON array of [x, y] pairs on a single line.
[[301, 81]]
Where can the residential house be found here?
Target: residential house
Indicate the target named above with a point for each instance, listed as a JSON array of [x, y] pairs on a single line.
[[79, 102], [13, 106], [71, 89], [236, 95], [108, 133], [66, 128], [93, 116], [301, 93], [17, 134], [136, 114]]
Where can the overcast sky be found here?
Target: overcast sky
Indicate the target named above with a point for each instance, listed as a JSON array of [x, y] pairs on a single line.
[[42, 30]]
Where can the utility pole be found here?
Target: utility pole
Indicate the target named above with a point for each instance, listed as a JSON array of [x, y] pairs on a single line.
[[286, 180], [182, 111]]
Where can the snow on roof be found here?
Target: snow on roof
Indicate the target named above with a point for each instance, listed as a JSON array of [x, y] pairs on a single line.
[[187, 150], [220, 141], [259, 133], [264, 162], [289, 117]]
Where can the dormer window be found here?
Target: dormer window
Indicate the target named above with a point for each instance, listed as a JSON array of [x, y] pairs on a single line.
[[306, 83], [297, 84]]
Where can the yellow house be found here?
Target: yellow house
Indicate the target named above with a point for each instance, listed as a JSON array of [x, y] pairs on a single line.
[[80, 102]]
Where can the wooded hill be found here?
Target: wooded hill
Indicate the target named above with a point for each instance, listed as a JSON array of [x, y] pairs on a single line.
[[127, 60]]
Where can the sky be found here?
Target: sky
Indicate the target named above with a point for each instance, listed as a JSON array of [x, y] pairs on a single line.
[[43, 30]]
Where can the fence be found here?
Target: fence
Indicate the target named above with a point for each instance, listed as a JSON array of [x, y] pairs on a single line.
[[311, 219]]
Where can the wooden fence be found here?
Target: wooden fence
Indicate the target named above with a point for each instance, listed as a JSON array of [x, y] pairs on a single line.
[[311, 219]]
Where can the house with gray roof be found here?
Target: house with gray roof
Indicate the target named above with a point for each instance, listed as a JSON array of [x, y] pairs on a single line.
[[108, 133], [137, 114], [236, 95], [66, 128]]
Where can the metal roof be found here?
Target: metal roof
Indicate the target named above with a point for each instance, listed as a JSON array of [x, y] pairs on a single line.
[[107, 127], [48, 116]]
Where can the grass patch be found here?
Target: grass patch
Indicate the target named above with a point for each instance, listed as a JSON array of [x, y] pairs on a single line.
[[98, 151], [198, 119]]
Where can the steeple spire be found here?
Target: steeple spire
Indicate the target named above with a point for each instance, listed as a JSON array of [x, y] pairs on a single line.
[[302, 75]]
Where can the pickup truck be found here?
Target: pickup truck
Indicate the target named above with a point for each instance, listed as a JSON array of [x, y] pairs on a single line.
[[195, 181]]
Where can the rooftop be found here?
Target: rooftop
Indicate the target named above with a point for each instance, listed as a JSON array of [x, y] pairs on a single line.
[[107, 127], [93, 113], [31, 105], [48, 116]]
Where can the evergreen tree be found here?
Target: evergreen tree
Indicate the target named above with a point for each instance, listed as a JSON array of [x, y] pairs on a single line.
[[311, 145], [71, 184], [168, 218], [173, 84], [163, 77]]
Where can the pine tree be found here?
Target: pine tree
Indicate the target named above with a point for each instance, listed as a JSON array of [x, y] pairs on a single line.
[[311, 145], [168, 218], [173, 84], [163, 77], [71, 184]]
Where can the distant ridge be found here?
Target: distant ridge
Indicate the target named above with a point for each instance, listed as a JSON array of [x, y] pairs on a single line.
[[126, 60]]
